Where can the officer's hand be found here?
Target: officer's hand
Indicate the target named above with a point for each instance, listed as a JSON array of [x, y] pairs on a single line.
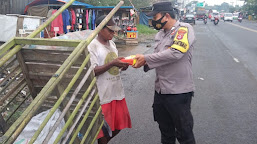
[[140, 61]]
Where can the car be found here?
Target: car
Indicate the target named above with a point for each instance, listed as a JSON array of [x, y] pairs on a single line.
[[189, 18], [228, 17], [235, 16]]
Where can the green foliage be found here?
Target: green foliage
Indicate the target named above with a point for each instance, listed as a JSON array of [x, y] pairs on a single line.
[[137, 3], [143, 29], [250, 6]]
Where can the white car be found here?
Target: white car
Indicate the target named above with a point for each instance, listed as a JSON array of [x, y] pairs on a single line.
[[228, 17]]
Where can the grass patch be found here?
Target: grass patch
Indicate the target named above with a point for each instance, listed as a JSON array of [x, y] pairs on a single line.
[[143, 29]]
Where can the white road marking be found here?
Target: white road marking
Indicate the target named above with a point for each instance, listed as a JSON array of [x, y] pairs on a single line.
[[236, 60], [252, 30]]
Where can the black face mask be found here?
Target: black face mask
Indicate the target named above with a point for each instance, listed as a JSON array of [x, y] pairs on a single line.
[[158, 24]]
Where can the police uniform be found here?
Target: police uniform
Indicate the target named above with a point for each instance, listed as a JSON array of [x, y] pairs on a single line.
[[174, 86]]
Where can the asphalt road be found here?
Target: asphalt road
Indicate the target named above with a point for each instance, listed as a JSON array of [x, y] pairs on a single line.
[[225, 75]]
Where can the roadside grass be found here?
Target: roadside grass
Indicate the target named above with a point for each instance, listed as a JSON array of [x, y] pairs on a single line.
[[143, 29]]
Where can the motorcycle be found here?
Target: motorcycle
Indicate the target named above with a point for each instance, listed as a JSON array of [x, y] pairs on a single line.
[[239, 19], [205, 20], [216, 21]]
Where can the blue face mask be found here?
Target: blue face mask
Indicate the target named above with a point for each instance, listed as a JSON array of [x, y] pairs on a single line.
[[158, 24]]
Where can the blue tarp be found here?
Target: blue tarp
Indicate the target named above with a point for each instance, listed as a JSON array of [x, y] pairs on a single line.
[[109, 7], [143, 19], [40, 2]]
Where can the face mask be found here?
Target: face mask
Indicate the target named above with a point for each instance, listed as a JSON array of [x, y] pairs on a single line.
[[158, 24]]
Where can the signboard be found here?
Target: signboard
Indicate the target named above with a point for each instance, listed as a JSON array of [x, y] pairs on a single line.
[[132, 34], [200, 4]]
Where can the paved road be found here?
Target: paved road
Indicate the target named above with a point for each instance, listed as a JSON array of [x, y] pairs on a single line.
[[225, 102]]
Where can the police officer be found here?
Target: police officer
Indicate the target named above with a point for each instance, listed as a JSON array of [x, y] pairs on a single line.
[[172, 60]]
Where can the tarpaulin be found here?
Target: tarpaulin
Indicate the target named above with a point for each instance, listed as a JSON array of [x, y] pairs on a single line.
[[40, 2], [144, 19], [8, 26]]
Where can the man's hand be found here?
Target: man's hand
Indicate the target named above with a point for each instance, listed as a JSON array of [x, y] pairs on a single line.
[[118, 63], [140, 61]]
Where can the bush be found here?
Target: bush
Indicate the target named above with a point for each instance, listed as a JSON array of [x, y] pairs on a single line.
[[143, 29]]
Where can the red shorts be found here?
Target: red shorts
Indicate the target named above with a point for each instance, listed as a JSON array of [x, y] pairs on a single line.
[[116, 115]]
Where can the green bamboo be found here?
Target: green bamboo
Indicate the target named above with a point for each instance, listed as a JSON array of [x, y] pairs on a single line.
[[10, 54], [47, 42], [59, 101], [6, 46], [38, 101], [7, 65], [84, 119], [91, 124], [11, 130], [75, 111], [97, 132]]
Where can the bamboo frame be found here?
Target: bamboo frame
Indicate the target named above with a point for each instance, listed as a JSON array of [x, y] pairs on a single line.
[[47, 42], [84, 119], [57, 104], [79, 116], [22, 121]]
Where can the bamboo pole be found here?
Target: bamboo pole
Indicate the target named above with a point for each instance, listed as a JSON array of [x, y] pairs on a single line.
[[91, 125], [6, 46], [93, 141], [84, 119], [59, 101], [75, 111], [47, 42], [79, 116], [7, 138], [19, 124], [34, 33], [82, 82]]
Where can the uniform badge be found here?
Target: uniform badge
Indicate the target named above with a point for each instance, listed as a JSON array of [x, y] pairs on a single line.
[[173, 32], [181, 34]]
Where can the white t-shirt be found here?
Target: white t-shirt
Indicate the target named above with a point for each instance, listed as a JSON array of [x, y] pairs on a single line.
[[109, 83]]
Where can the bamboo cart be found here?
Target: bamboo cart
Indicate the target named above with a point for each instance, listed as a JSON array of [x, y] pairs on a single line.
[[55, 79]]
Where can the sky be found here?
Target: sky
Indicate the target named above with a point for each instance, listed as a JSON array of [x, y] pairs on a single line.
[[218, 2]]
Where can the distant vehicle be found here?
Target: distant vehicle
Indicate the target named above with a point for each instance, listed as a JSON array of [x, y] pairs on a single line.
[[228, 17], [189, 18], [222, 16], [215, 14], [200, 13], [235, 16]]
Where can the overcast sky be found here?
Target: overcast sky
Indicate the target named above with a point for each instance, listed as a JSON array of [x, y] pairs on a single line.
[[218, 2]]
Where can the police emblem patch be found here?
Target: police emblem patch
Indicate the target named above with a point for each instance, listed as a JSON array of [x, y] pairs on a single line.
[[181, 34]]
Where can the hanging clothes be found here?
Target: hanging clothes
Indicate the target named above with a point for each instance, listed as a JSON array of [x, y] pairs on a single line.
[[57, 22], [66, 19], [87, 18], [73, 19], [93, 20]]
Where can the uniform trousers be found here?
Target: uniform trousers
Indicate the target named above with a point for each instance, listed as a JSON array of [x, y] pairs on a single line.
[[173, 114]]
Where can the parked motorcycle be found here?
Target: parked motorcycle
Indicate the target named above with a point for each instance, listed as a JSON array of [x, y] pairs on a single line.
[[216, 21], [205, 20], [239, 19]]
